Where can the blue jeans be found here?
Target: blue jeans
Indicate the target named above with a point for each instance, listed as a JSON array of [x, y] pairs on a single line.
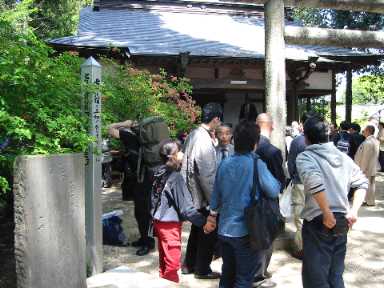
[[239, 262], [324, 254]]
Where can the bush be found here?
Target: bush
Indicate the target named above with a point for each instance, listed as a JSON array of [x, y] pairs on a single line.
[[39, 99], [129, 93]]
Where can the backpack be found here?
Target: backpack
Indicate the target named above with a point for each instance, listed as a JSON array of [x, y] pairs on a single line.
[[343, 143], [151, 132], [113, 233]]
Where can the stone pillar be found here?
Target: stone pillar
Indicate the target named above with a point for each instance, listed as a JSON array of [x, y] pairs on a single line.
[[275, 86], [49, 221], [91, 74], [333, 98], [348, 97]]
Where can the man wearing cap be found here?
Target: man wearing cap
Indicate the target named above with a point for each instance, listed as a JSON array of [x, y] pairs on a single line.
[[199, 170]]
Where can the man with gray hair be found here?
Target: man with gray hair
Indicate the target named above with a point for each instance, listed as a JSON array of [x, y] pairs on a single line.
[[366, 157], [272, 156]]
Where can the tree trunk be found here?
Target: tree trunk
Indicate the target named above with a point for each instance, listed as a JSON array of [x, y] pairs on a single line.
[[372, 6], [334, 37], [275, 92]]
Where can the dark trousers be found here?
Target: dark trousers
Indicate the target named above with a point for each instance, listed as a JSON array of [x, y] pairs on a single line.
[[381, 160], [200, 249], [239, 262], [263, 263], [324, 254], [142, 201]]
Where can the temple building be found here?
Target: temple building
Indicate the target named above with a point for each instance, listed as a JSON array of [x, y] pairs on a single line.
[[219, 46]]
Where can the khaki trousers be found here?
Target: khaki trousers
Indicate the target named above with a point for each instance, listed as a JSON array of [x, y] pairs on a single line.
[[370, 196], [298, 201]]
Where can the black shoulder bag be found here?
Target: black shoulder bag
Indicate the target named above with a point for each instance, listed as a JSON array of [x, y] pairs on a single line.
[[263, 218]]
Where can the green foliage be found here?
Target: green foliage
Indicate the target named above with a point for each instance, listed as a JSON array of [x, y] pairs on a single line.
[[368, 89], [313, 17], [39, 96], [363, 120], [329, 18], [49, 18], [57, 18], [129, 93]]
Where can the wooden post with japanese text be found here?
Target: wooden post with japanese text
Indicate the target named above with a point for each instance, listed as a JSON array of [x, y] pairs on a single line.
[[91, 76]]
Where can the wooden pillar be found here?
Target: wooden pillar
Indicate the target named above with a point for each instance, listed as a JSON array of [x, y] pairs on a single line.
[[183, 63], [91, 74], [275, 86], [292, 104], [348, 97], [308, 104], [333, 98]]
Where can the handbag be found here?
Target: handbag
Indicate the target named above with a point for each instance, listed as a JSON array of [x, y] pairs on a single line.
[[263, 218]]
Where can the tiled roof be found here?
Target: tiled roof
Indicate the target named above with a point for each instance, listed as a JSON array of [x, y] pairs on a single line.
[[159, 32]]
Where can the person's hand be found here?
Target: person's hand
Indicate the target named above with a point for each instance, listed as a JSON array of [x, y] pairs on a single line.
[[351, 218], [127, 123], [329, 220], [210, 225]]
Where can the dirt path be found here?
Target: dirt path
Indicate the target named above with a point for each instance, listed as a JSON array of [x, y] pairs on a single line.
[[364, 262]]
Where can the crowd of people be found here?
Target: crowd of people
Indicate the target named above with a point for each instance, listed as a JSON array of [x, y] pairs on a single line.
[[208, 180]]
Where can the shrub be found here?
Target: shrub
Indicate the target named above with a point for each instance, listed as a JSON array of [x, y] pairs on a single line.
[[129, 93], [39, 99], [40, 96]]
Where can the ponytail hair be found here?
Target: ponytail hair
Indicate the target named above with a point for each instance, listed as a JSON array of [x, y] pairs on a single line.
[[168, 150]]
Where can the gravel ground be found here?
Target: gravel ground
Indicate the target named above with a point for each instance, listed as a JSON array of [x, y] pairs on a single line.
[[364, 261]]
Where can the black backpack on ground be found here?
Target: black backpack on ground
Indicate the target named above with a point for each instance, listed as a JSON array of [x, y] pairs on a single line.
[[113, 233]]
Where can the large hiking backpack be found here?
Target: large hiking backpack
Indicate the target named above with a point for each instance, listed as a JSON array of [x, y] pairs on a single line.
[[151, 131], [343, 143]]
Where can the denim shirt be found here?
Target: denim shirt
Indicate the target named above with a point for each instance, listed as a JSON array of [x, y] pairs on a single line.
[[232, 191]]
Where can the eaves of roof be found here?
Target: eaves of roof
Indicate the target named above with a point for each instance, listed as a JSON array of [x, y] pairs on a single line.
[[159, 32]]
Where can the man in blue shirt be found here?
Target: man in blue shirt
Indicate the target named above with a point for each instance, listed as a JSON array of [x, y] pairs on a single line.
[[231, 195]]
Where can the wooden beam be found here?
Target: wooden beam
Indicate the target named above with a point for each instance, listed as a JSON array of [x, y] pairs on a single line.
[[372, 6], [226, 84], [333, 37], [275, 92]]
